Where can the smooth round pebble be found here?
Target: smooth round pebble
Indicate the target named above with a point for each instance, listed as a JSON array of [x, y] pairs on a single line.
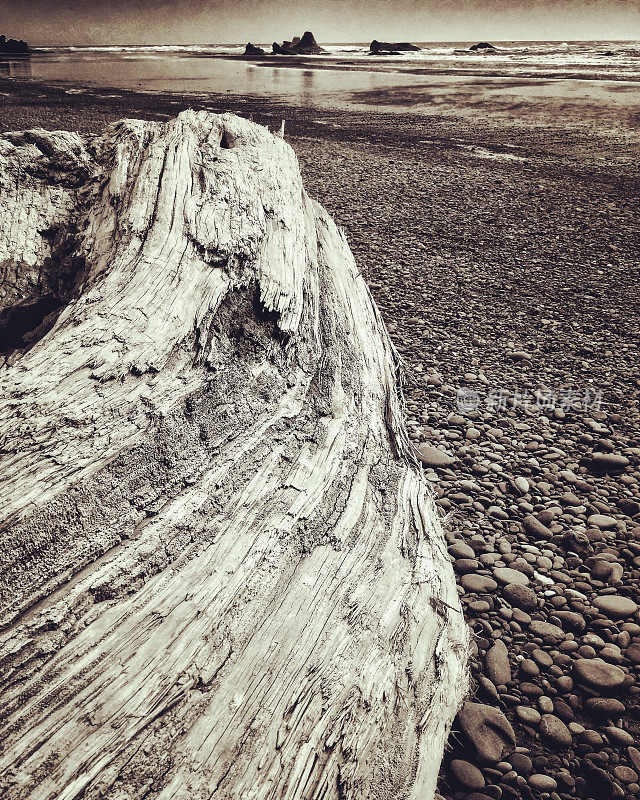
[[522, 597], [521, 763], [467, 774], [543, 783], [615, 606], [478, 583], [506, 575], [555, 731], [528, 715], [602, 521], [625, 774], [544, 629], [597, 673], [432, 457]]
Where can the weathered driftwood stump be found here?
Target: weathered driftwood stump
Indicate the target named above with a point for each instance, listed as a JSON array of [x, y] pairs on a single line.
[[222, 572]]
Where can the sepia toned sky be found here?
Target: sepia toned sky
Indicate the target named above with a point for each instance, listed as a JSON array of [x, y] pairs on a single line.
[[221, 21]]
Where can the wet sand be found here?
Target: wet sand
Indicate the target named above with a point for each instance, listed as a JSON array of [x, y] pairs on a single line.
[[502, 247]]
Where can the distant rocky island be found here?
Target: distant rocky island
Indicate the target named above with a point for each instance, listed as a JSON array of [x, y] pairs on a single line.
[[304, 45], [13, 47], [390, 48], [252, 50], [482, 46]]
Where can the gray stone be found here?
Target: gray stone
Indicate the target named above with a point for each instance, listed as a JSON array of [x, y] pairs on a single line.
[[633, 653], [619, 736], [529, 668], [478, 583], [528, 715], [543, 783], [542, 658], [522, 597], [601, 570], [605, 707], [464, 566], [600, 784], [488, 688], [432, 457], [506, 575], [625, 774], [609, 462], [570, 499], [467, 774], [533, 526], [597, 673], [488, 731], [571, 620], [615, 606], [460, 549], [555, 731], [497, 664], [629, 507], [521, 763], [634, 757], [521, 484], [544, 629], [602, 521]]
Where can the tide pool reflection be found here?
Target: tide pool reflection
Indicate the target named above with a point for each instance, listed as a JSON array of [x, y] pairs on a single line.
[[173, 73], [302, 83], [15, 67], [308, 86]]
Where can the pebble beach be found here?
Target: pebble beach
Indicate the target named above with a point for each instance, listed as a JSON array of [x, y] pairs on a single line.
[[503, 251]]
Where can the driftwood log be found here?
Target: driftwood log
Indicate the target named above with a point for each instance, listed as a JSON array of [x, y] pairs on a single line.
[[222, 572]]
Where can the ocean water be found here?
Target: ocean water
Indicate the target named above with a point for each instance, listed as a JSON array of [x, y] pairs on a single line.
[[603, 78], [611, 59]]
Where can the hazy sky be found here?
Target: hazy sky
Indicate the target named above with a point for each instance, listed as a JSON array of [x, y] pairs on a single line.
[[221, 21]]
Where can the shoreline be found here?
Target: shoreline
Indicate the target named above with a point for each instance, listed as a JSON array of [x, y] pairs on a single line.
[[392, 65], [514, 73], [499, 104], [388, 64]]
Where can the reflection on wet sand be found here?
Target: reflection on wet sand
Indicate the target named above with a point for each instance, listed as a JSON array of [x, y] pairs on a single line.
[[614, 103], [544, 98], [15, 67], [308, 86]]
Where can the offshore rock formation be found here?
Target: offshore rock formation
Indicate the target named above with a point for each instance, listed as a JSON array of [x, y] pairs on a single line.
[[305, 46], [252, 50], [482, 46], [390, 48], [222, 572], [13, 47]]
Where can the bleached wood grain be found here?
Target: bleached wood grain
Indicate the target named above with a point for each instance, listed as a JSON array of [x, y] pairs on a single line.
[[223, 574]]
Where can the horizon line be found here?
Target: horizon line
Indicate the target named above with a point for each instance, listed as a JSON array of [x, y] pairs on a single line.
[[362, 41]]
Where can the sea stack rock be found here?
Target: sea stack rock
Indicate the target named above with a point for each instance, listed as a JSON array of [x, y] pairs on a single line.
[[13, 47], [391, 48], [252, 50], [482, 46], [299, 46], [308, 44], [206, 431]]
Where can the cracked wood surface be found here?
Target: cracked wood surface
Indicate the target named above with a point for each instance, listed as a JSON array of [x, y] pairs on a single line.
[[223, 575]]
